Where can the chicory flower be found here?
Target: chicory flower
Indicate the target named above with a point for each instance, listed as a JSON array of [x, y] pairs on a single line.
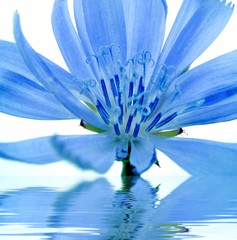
[[124, 83]]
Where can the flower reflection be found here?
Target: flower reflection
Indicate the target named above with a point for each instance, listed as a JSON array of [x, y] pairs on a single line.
[[94, 210], [29, 206]]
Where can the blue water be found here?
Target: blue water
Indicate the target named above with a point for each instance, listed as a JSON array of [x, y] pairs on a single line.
[[199, 208]]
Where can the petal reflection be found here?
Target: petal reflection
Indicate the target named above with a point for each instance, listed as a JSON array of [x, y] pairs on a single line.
[[95, 210]]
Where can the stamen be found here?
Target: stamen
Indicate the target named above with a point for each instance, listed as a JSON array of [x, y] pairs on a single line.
[[144, 111], [113, 87], [116, 129], [153, 104], [121, 115], [166, 120], [125, 92], [117, 81], [140, 86], [129, 123], [131, 86], [118, 89], [154, 122], [136, 130], [104, 115], [140, 90], [119, 98], [152, 107], [105, 92]]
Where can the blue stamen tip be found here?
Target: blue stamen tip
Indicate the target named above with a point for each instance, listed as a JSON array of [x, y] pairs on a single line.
[[116, 129], [136, 130]]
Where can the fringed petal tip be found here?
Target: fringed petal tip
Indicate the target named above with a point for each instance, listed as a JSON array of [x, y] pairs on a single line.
[[194, 20], [227, 4]]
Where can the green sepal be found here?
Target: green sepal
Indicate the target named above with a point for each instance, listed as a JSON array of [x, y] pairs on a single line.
[[92, 107], [158, 164], [172, 133], [184, 71], [91, 128]]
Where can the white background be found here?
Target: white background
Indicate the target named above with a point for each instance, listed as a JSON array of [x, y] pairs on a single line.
[[36, 24]]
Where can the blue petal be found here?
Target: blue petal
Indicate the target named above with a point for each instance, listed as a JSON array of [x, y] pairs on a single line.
[[96, 152], [51, 82], [35, 151], [68, 41], [210, 114], [197, 25], [22, 97], [142, 154], [83, 35], [22, 94], [122, 149], [207, 79], [148, 16], [12, 60], [207, 93], [200, 157], [105, 24]]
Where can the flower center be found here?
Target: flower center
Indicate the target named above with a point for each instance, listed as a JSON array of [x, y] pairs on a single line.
[[123, 99]]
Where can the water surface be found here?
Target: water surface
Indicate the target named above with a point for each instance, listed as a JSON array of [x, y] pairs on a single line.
[[199, 208]]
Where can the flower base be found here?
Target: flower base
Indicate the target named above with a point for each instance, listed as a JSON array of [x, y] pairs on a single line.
[[128, 169]]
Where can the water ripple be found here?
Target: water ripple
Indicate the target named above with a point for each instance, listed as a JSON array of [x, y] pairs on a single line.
[[204, 207]]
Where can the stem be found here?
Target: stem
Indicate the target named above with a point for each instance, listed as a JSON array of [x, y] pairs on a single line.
[[128, 169], [128, 182]]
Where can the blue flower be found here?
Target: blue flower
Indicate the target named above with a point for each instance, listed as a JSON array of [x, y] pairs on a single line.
[[133, 91]]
